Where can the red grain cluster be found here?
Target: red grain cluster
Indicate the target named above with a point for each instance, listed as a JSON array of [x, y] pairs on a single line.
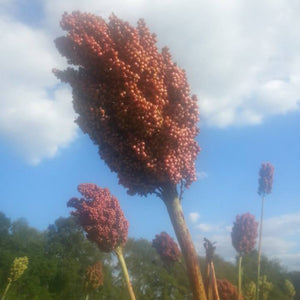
[[265, 181], [244, 233], [166, 248], [101, 216], [94, 276], [132, 100], [227, 291]]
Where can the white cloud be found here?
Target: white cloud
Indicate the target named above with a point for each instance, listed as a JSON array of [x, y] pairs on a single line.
[[201, 175], [286, 225], [206, 227], [194, 216], [242, 71], [36, 116]]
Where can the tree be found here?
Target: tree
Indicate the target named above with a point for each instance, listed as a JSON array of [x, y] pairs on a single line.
[[71, 253], [151, 277]]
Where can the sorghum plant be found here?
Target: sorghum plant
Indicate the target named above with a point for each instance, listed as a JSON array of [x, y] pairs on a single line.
[[135, 104], [93, 278], [101, 216], [166, 248], [227, 291], [243, 237], [265, 183], [250, 290], [289, 289], [265, 287], [210, 280], [19, 265]]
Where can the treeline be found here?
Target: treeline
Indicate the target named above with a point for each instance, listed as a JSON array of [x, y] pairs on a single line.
[[59, 256]]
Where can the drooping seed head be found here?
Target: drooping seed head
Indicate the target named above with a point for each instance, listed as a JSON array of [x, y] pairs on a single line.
[[94, 276], [132, 101], [101, 216], [227, 291], [166, 248]]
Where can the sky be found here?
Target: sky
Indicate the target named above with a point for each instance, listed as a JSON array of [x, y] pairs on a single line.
[[242, 60]]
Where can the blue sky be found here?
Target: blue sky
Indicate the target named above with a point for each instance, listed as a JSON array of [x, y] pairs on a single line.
[[246, 74]]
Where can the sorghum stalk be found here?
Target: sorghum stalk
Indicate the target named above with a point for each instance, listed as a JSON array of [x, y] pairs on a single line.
[[259, 247], [119, 253], [265, 183], [211, 286], [214, 283], [6, 290], [188, 250], [240, 276]]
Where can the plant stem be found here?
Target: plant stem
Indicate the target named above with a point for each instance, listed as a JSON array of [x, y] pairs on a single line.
[[87, 297], [171, 199], [259, 247], [119, 253], [214, 282], [206, 280], [240, 277], [6, 289]]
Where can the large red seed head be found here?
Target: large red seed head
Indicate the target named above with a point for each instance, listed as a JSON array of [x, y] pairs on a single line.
[[132, 101]]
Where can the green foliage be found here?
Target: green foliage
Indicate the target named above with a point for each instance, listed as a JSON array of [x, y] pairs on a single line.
[[289, 289], [59, 256], [294, 277], [151, 278]]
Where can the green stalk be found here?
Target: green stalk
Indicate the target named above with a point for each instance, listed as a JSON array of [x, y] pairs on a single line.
[[119, 253], [87, 297], [259, 247], [172, 202], [240, 277], [6, 289]]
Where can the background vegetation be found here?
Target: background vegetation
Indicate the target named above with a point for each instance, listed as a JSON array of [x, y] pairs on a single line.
[[59, 256]]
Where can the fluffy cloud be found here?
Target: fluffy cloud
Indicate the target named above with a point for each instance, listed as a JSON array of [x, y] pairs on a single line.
[[201, 175], [242, 71], [36, 116], [207, 227], [280, 239], [194, 216]]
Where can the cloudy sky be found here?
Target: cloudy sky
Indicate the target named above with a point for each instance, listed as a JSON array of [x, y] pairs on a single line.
[[242, 59]]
